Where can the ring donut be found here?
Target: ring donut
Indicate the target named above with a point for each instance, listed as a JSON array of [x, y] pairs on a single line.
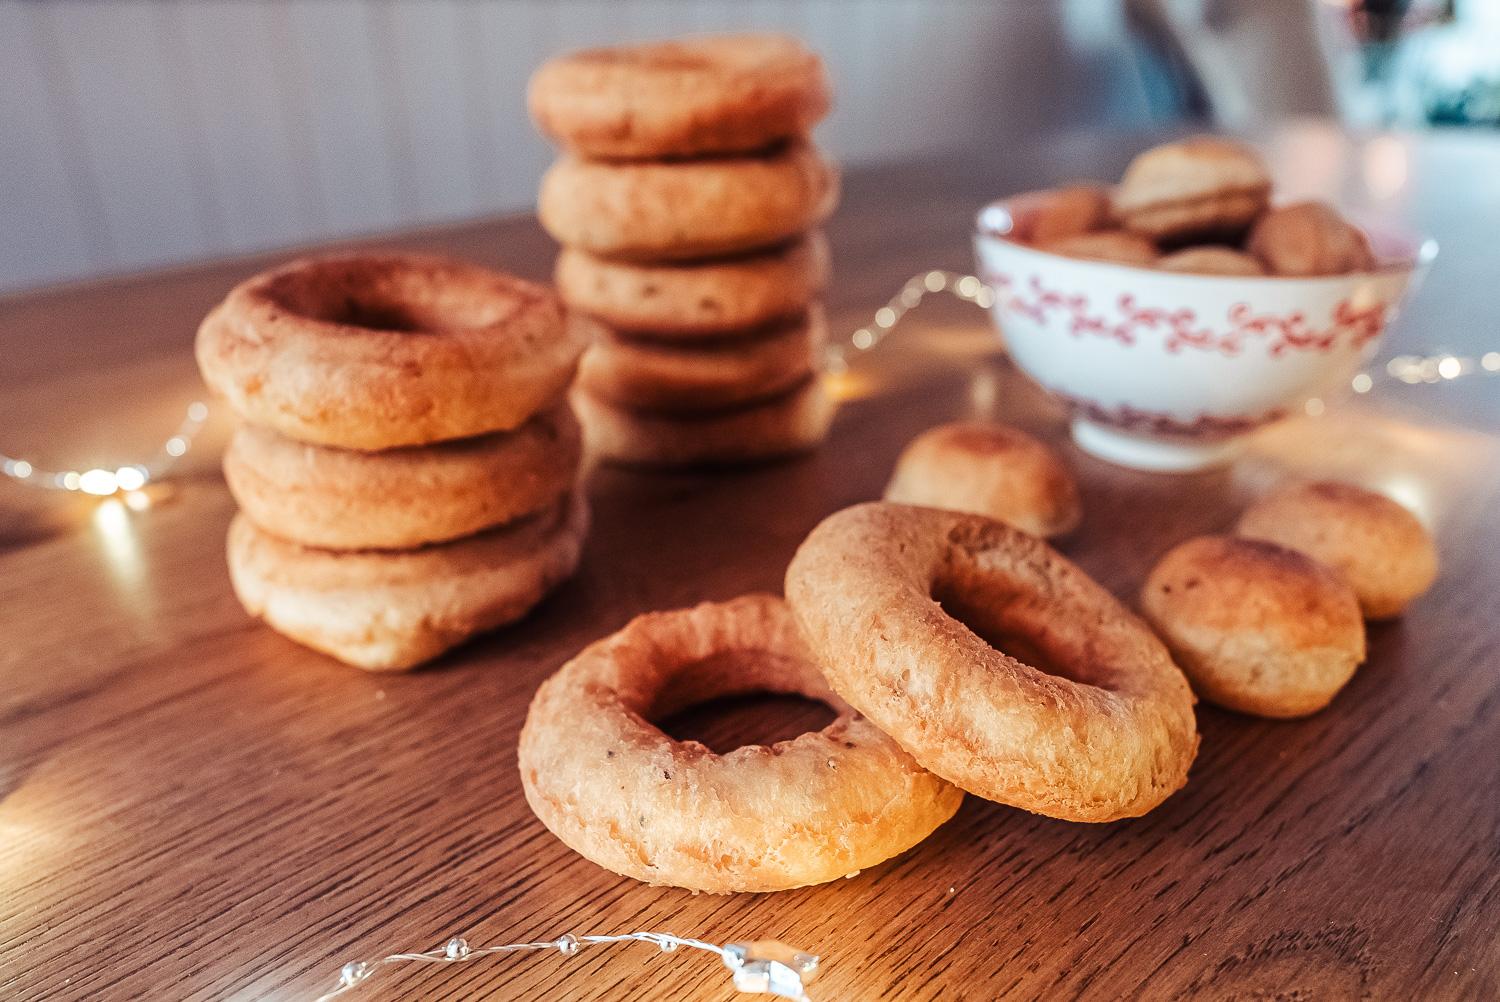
[[620, 792], [702, 375], [682, 209], [693, 300], [884, 592], [341, 499], [389, 611], [375, 351]]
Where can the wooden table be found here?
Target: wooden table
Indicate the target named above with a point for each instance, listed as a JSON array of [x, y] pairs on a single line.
[[193, 807]]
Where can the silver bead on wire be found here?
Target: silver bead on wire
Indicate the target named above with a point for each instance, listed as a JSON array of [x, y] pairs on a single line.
[[456, 948], [567, 944], [353, 973]]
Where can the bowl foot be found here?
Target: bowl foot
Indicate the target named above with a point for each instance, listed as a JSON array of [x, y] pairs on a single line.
[[1145, 452]]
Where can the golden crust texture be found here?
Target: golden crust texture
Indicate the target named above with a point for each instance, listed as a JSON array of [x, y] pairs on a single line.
[[795, 422], [1384, 553], [1309, 239], [1115, 246], [389, 611], [1257, 627], [664, 211], [376, 351], [693, 300], [910, 612], [702, 375], [618, 791], [988, 469], [702, 95], [1211, 261], [1201, 186], [342, 499]]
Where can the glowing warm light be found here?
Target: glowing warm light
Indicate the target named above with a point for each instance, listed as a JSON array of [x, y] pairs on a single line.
[[1491, 361], [122, 548], [1362, 383], [935, 281], [1314, 407], [175, 446], [885, 317], [968, 286], [99, 482], [130, 478], [862, 339], [22, 469], [849, 385], [137, 501], [197, 411], [71, 480], [1450, 368]]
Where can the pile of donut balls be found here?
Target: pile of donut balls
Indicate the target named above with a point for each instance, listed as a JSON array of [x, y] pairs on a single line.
[[1268, 620]]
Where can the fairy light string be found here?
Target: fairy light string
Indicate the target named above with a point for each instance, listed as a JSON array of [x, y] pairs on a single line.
[[103, 482], [764, 967]]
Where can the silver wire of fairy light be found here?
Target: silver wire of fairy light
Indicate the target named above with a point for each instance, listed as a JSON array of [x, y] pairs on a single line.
[[103, 482], [1409, 369], [764, 967]]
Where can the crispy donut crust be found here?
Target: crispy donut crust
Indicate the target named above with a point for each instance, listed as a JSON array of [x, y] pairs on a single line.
[[673, 211], [698, 299], [702, 375], [988, 469], [690, 97], [385, 611], [1385, 554], [341, 499], [787, 425], [618, 791], [876, 588], [1257, 627], [375, 351]]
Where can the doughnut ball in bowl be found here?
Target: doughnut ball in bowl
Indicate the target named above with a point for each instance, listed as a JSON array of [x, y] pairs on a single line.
[[1256, 627]]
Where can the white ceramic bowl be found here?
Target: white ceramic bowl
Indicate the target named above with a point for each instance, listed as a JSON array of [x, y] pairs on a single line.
[[1169, 371]]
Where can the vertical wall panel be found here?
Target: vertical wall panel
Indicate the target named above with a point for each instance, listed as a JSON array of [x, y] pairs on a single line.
[[144, 131]]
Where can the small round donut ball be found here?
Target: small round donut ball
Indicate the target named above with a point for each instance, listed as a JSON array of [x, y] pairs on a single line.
[[1115, 246], [1379, 547], [1256, 627], [1065, 212], [988, 469], [1211, 260], [1309, 238]]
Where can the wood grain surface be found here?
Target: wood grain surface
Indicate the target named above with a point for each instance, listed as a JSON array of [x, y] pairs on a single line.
[[192, 807]]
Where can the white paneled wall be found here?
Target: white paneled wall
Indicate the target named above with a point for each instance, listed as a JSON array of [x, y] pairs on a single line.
[[142, 132]]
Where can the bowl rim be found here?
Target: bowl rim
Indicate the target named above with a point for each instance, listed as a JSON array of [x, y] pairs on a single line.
[[1426, 249]]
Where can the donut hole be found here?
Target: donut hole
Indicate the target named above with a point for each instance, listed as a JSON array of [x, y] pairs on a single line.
[[737, 698], [1017, 619], [394, 296]]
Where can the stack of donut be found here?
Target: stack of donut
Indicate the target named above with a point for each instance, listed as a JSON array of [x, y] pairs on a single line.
[[687, 201], [407, 467]]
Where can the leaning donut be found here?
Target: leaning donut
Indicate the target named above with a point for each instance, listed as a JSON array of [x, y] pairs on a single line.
[[620, 792], [374, 351], [910, 612]]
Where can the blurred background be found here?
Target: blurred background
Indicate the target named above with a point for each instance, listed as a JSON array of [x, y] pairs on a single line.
[[140, 133]]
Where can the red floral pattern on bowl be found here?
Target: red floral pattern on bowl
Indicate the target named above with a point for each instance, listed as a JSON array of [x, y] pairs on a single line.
[[1165, 370]]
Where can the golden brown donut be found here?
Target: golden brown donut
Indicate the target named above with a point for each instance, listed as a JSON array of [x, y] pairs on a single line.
[[1257, 627], [702, 375], [697, 299], [672, 211], [617, 790], [792, 423], [910, 612], [374, 351], [389, 611], [1380, 549], [1210, 260], [1198, 187], [1309, 238], [700, 95], [988, 469], [1107, 245], [341, 499]]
